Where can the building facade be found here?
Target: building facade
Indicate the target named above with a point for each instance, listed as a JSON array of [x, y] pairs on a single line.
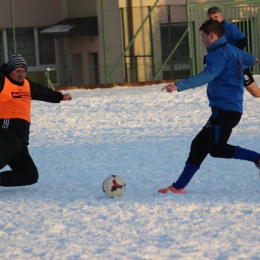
[[86, 42]]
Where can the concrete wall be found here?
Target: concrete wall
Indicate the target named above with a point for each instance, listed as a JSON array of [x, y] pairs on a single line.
[[81, 8], [28, 13], [136, 3], [113, 38], [82, 48], [123, 3], [74, 65]]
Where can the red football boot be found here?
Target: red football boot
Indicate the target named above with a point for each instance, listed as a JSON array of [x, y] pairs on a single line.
[[173, 190]]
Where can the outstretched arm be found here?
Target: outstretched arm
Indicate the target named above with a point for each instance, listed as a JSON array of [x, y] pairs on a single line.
[[43, 93], [191, 82], [253, 89]]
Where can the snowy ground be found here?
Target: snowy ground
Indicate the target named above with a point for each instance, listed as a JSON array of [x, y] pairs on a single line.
[[143, 135]]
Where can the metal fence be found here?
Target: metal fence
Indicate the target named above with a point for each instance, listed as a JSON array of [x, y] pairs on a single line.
[[245, 14], [164, 43]]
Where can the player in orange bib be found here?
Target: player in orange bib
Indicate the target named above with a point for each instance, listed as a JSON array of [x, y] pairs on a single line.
[[16, 93]]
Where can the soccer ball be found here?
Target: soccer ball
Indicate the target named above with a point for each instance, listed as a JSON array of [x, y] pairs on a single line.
[[114, 186]]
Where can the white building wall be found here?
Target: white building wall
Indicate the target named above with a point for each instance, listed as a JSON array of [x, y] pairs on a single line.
[[113, 40]]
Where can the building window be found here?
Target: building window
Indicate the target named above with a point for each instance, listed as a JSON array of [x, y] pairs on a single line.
[[38, 50], [46, 49], [25, 45], [178, 65]]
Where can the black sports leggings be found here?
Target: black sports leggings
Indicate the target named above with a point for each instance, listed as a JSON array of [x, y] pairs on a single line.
[[15, 153], [213, 137]]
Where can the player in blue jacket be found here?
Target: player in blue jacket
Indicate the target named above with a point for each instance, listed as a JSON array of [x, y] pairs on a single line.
[[235, 37], [224, 74]]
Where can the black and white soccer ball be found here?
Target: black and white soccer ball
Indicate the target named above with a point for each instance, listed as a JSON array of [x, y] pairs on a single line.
[[114, 186]]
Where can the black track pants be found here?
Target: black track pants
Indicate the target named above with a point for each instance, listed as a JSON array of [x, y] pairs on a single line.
[[15, 154], [213, 137]]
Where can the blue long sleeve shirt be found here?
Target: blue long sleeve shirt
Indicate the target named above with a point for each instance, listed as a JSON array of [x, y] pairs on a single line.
[[224, 74], [232, 33]]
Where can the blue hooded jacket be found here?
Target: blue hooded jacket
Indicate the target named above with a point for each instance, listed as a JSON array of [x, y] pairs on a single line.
[[224, 74]]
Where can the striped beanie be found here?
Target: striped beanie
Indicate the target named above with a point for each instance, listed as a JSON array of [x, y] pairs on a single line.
[[16, 61]]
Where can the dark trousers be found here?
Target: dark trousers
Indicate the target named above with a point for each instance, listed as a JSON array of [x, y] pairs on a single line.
[[213, 137], [15, 153]]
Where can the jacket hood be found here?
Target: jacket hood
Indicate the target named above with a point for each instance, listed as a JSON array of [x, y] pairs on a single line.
[[219, 42]]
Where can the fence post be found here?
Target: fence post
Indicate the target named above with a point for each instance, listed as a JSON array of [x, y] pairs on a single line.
[[47, 76]]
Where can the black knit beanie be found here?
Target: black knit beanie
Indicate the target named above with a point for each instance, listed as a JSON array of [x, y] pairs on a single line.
[[16, 61]]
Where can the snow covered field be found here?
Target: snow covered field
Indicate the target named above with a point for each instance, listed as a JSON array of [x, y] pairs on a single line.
[[143, 135]]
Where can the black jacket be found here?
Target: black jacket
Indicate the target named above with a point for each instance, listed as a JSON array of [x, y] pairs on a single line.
[[38, 92]]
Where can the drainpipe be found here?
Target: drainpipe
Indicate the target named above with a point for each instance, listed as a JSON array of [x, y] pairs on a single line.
[[104, 39], [131, 35]]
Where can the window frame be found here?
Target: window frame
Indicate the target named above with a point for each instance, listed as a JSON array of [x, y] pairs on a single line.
[[38, 66]]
